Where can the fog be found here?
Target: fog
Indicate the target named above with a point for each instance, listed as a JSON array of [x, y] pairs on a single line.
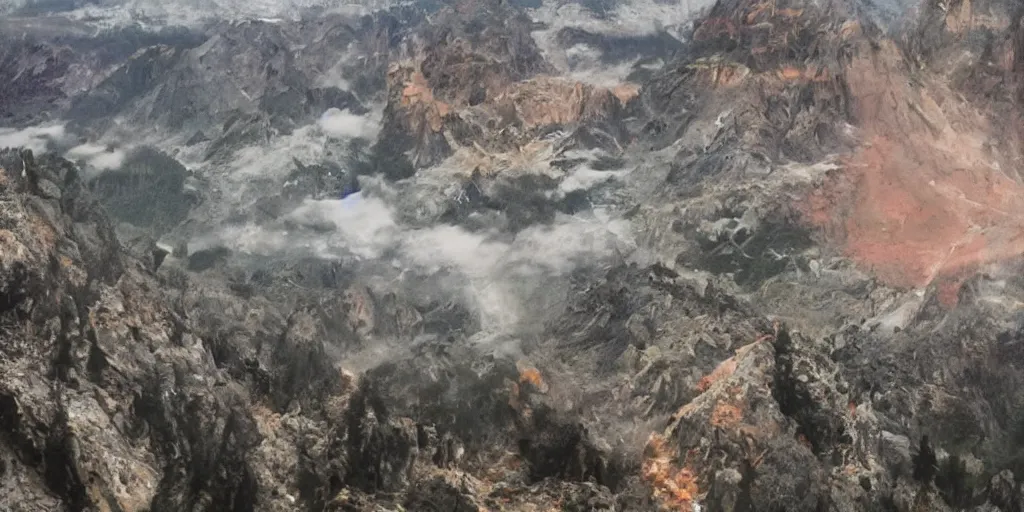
[[496, 275], [35, 138], [96, 158], [510, 281], [343, 124]]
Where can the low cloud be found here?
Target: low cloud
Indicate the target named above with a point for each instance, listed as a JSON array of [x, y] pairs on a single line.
[[636, 18], [343, 124], [96, 157], [509, 281], [334, 77], [584, 178], [35, 138]]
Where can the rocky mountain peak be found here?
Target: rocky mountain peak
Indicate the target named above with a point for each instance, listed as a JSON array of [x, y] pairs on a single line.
[[513, 255]]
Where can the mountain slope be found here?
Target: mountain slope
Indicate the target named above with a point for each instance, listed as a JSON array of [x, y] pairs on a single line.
[[767, 262]]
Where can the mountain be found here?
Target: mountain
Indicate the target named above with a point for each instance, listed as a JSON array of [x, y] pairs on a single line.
[[512, 255]]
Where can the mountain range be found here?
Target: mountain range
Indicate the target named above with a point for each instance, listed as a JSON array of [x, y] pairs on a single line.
[[511, 255]]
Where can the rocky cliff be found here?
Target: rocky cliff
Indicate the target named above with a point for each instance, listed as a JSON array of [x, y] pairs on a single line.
[[426, 259]]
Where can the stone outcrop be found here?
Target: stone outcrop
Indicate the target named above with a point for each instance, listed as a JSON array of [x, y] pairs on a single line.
[[822, 310]]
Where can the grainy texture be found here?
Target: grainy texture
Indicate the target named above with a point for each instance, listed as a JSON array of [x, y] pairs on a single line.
[[822, 311]]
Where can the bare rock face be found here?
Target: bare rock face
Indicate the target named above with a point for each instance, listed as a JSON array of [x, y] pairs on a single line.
[[50, 63], [478, 88], [243, 83], [821, 313], [122, 390], [114, 372], [23, 91]]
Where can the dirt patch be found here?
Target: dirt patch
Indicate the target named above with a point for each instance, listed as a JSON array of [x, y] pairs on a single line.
[[925, 197]]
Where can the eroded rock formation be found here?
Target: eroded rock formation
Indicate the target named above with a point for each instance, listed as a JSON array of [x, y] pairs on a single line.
[[816, 308]]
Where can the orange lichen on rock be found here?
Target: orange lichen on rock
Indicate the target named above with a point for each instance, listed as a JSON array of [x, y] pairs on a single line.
[[675, 488], [923, 198], [531, 375], [417, 94], [726, 368], [726, 415], [530, 381], [723, 370]]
